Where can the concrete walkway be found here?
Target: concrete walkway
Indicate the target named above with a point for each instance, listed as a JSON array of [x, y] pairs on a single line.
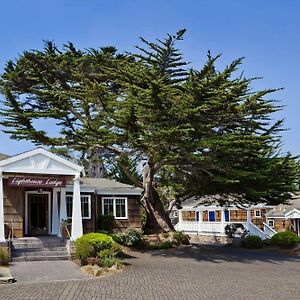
[[37, 271]]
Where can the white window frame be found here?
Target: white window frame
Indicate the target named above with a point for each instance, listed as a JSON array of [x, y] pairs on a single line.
[[114, 207], [89, 206], [259, 214], [273, 223]]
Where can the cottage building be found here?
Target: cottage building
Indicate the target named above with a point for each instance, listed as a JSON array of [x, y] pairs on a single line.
[[204, 216], [40, 190]]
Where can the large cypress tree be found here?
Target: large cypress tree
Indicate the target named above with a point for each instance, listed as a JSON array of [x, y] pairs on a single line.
[[196, 131]]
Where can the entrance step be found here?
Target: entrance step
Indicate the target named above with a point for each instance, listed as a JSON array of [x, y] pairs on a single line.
[[39, 249]]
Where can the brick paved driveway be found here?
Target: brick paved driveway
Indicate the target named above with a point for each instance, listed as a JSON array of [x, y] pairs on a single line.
[[195, 272]]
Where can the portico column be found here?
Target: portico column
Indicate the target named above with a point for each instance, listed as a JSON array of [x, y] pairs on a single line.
[[55, 219], [62, 207], [200, 221], [222, 220], [77, 230], [248, 217], [179, 219], [2, 234]]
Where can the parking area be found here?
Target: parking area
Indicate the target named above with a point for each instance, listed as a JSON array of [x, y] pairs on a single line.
[[192, 272]]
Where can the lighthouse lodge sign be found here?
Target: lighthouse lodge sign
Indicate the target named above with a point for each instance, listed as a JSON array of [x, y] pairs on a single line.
[[43, 182]]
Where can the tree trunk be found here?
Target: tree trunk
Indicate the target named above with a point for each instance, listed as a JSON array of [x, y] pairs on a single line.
[[157, 218]]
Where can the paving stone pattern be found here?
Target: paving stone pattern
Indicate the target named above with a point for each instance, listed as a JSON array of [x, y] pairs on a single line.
[[194, 272]]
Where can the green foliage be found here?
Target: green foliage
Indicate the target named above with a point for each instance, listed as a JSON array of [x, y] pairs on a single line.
[[3, 257], [84, 250], [108, 262], [161, 245], [121, 167], [106, 253], [231, 229], [253, 242], [130, 237], [106, 223], [181, 238], [286, 239], [98, 241]]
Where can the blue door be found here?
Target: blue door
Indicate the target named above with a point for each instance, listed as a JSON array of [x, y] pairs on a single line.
[[226, 214], [211, 216]]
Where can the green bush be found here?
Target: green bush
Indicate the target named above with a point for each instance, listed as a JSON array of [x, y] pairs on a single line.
[[106, 223], [253, 241], [3, 257], [130, 237], [90, 244], [181, 238], [107, 262], [161, 245], [285, 239], [106, 253], [84, 250]]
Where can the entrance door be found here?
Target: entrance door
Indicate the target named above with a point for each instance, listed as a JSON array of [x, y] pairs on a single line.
[[38, 214]]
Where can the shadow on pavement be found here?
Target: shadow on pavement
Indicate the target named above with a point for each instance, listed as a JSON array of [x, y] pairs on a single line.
[[223, 253]]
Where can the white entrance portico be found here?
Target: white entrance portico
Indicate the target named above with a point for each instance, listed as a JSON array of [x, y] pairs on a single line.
[[37, 178]]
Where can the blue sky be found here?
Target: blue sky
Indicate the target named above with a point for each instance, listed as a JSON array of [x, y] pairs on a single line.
[[266, 32]]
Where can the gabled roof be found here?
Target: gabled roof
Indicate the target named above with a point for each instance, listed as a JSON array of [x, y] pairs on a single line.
[[285, 210], [39, 161], [104, 186], [3, 156]]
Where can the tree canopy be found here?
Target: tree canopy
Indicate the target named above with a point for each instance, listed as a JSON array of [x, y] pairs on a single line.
[[196, 131]]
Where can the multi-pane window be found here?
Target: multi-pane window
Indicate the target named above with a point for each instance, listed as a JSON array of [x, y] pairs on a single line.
[[85, 206], [271, 223], [257, 213], [115, 206], [108, 206]]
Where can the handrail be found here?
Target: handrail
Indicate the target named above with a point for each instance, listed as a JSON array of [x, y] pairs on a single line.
[[269, 230], [67, 230], [254, 230]]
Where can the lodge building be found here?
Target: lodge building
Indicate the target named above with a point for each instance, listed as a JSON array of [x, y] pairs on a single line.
[[40, 191]]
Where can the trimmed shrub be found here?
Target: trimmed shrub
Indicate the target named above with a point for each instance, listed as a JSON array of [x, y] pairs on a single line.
[[106, 253], [90, 244], [253, 242], [84, 250], [161, 245], [3, 257], [181, 238], [286, 239]]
